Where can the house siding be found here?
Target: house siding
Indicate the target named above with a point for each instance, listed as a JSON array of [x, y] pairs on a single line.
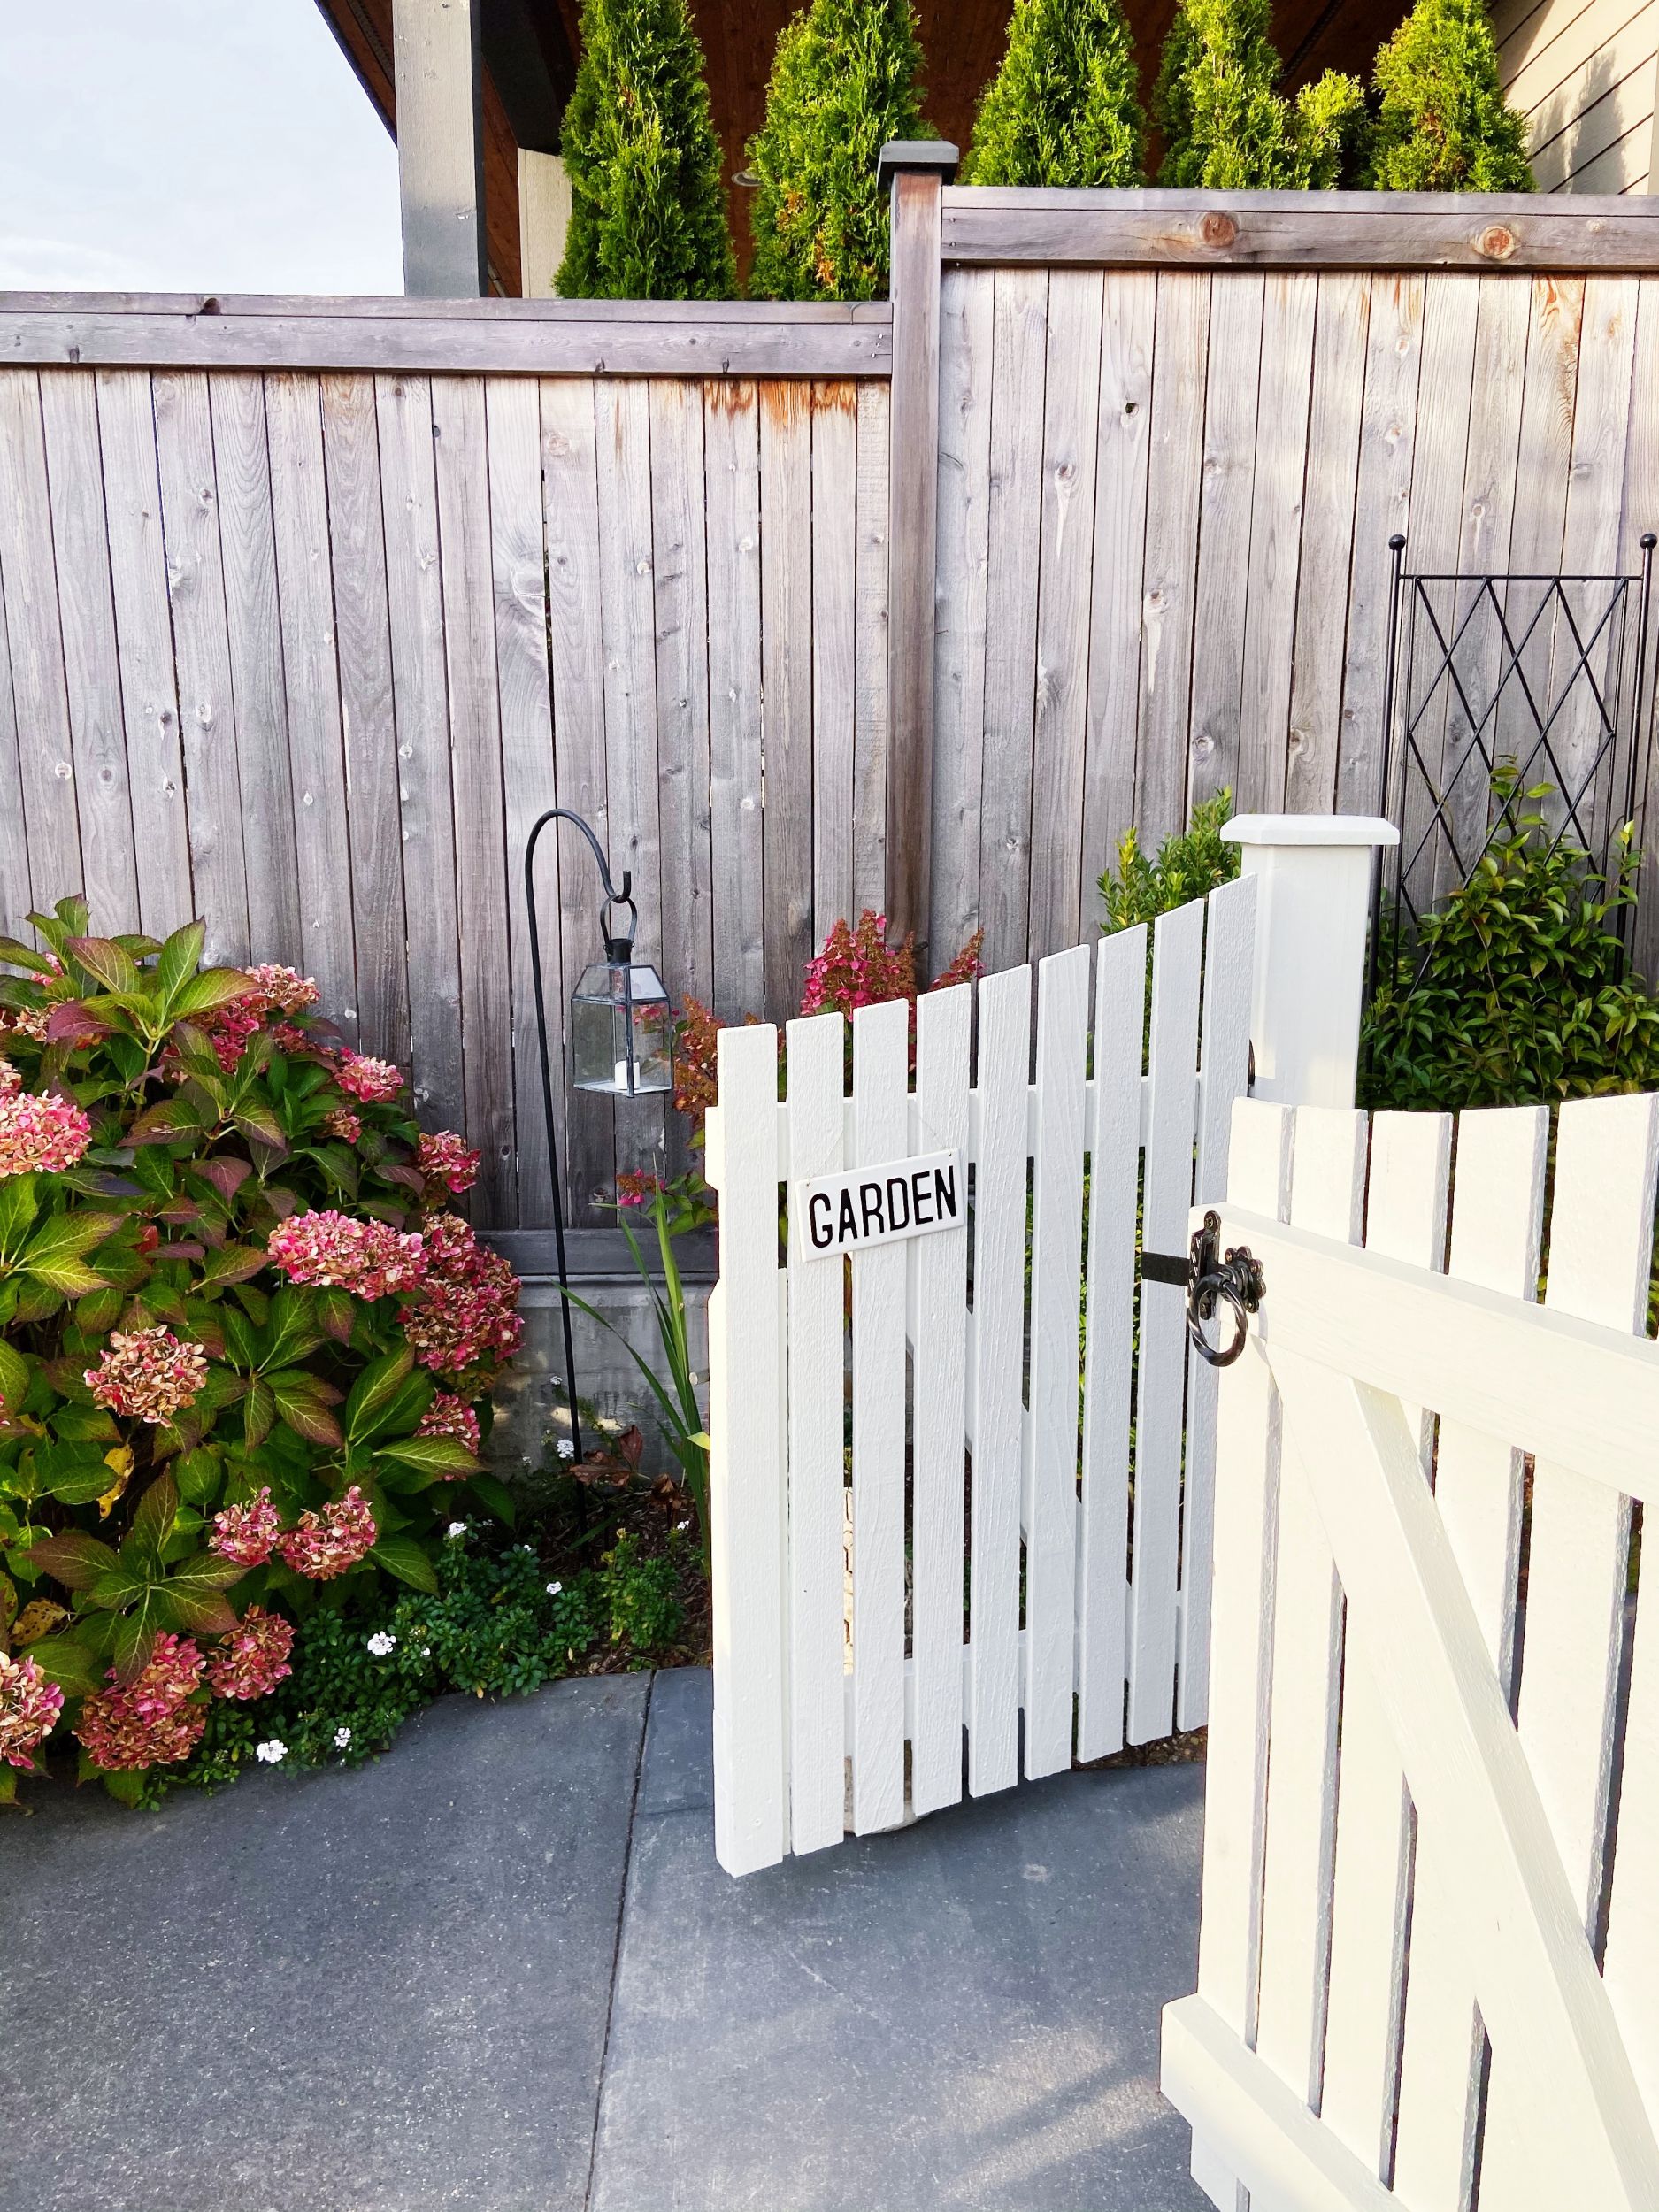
[[1584, 73]]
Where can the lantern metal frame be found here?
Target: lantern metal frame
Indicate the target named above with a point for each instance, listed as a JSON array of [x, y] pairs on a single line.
[[615, 946]]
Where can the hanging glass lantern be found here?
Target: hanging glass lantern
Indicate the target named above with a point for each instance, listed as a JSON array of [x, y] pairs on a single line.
[[622, 1038]]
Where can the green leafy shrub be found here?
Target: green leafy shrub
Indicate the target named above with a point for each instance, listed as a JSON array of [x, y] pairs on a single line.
[[1515, 993], [1226, 127], [843, 83], [1189, 865], [243, 1343], [1065, 108], [1443, 124], [647, 209], [641, 1594]]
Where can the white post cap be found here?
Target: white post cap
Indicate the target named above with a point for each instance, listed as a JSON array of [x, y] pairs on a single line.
[[1310, 829]]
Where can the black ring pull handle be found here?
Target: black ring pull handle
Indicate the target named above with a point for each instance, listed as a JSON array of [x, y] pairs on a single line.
[[1212, 1279]]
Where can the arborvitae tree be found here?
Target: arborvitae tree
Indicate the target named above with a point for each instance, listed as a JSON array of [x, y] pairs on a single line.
[[843, 83], [1064, 109], [1443, 124], [648, 213], [1226, 127]]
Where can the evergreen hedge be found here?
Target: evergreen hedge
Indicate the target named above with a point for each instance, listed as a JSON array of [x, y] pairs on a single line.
[[1226, 125], [1065, 107], [844, 80], [648, 213], [1443, 124]]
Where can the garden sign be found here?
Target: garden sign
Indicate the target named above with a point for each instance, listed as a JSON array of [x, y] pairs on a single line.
[[839, 1214]]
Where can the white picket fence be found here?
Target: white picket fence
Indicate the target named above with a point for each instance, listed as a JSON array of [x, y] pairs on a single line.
[[1429, 1963], [943, 1498]]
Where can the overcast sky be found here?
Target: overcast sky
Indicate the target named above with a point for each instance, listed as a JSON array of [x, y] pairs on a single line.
[[188, 145]]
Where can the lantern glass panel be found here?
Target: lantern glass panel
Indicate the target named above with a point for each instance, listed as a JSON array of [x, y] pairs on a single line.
[[621, 1032]]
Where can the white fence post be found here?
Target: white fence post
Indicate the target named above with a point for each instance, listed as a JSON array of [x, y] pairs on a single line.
[[1312, 907]]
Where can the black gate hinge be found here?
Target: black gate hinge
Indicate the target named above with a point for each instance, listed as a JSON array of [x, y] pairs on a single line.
[[1212, 1279]]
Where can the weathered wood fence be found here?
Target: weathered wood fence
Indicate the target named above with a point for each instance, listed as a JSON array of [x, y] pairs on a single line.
[[309, 606]]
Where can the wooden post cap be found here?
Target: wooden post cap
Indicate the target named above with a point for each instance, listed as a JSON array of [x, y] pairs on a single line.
[[934, 157]]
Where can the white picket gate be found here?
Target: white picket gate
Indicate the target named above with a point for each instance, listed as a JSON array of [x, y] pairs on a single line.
[[1428, 1963], [916, 1531]]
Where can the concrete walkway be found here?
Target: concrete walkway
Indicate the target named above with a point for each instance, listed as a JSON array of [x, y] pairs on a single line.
[[500, 1970]]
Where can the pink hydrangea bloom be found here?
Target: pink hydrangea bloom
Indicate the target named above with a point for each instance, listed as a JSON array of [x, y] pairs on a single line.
[[291, 1037], [464, 1316], [227, 1029], [374, 1081], [369, 1258], [280, 990], [339, 1121], [246, 1533], [150, 1721], [275, 990], [148, 1374], [450, 1415], [253, 1659], [443, 1157], [639, 1189], [326, 1542], [38, 1133], [10, 1077], [29, 1707]]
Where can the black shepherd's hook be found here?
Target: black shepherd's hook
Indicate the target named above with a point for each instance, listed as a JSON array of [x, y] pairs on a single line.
[[615, 947]]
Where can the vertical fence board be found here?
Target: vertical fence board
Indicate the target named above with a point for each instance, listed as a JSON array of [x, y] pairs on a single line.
[[944, 1021], [201, 641], [1121, 532], [143, 629], [1221, 587], [1276, 510], [65, 505], [1051, 1433], [732, 460], [1174, 475], [1114, 1193], [363, 627], [1172, 1062], [1066, 561], [999, 1322], [242, 461], [785, 703], [880, 1113], [835, 567], [816, 1489], [966, 367], [870, 655], [17, 897]]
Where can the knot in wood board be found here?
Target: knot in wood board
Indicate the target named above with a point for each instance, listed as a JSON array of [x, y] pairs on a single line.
[[1218, 230], [1495, 242]]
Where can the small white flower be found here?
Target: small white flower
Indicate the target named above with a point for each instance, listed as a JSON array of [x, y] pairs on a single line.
[[342, 1737], [567, 1450], [529, 1548], [455, 1530], [272, 1752], [425, 1651], [554, 1588], [382, 1643], [682, 1527]]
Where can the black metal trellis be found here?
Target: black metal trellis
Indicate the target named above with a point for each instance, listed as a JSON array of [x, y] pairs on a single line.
[[1484, 670]]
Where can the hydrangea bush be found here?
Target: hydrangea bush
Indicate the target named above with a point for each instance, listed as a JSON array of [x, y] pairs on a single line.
[[244, 1343]]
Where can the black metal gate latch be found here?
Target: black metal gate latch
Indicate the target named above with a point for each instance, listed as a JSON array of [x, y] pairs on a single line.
[[1212, 1279]]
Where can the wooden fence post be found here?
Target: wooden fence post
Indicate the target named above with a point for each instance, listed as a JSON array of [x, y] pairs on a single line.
[[915, 170], [1313, 906]]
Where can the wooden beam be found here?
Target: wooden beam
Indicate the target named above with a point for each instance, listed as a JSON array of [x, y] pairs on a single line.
[[441, 148], [915, 172], [1301, 230], [544, 216], [523, 337]]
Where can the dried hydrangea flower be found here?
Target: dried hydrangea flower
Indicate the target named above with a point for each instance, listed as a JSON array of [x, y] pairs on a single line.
[[29, 1707], [442, 1156], [148, 1374], [464, 1317], [450, 1415], [246, 1533], [40, 1134], [282, 990], [339, 1121], [151, 1720], [329, 1542], [369, 1258], [374, 1081], [252, 1658], [11, 1077]]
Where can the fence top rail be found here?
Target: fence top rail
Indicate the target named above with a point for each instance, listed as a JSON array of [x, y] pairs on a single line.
[[524, 337], [1295, 230]]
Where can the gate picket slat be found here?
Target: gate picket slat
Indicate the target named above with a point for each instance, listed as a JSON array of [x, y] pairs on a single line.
[[1051, 1436], [999, 1318], [818, 1742], [1405, 1219], [1172, 1059], [747, 1413], [880, 1119], [1600, 1255], [1246, 1514], [1114, 1181], [1327, 1195], [943, 1029], [1496, 1229], [1225, 1059]]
